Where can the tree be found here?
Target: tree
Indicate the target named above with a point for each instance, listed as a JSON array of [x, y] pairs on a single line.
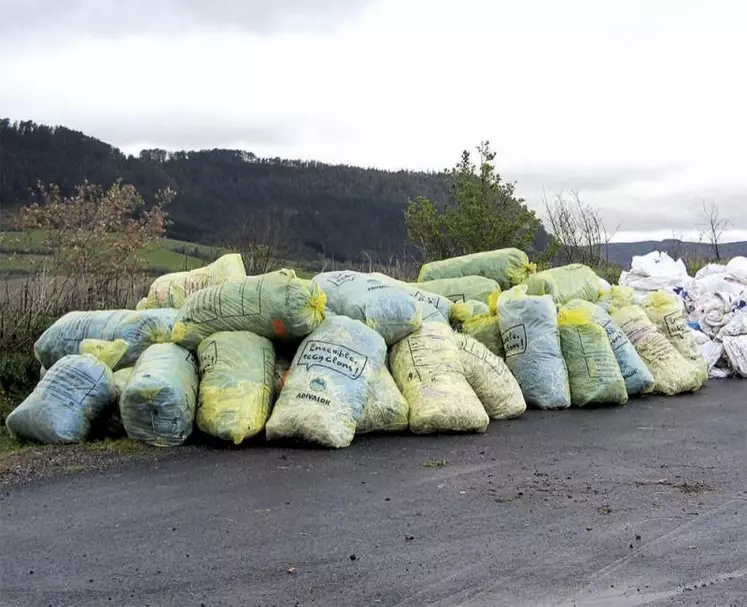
[[96, 233], [713, 227], [578, 231], [261, 237], [485, 213]]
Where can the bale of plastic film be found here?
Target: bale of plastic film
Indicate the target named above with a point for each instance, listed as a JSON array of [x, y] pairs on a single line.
[[430, 301], [593, 372], [172, 290], [390, 311], [428, 370], [491, 379], [328, 384], [574, 281], [236, 370], [673, 374], [386, 410], [69, 399], [277, 305], [529, 329], [638, 378], [108, 352], [158, 403], [462, 288], [139, 329], [508, 267], [664, 310]]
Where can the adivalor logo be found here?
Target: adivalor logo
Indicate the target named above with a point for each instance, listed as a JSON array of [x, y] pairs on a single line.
[[317, 384]]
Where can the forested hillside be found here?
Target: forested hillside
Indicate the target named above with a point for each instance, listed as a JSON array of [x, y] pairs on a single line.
[[337, 211]]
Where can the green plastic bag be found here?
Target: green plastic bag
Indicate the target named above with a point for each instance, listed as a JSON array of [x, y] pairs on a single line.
[[158, 402], [172, 290], [638, 379], [575, 281], [529, 329], [329, 384], [508, 267], [390, 311], [277, 305], [386, 410], [428, 370], [673, 374], [462, 288], [593, 372], [491, 379], [663, 309], [73, 394], [236, 370], [138, 329]]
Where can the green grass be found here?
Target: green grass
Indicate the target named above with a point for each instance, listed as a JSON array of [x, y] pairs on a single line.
[[23, 252]]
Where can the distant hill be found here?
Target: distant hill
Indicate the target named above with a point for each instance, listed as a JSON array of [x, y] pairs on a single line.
[[622, 253], [341, 212]]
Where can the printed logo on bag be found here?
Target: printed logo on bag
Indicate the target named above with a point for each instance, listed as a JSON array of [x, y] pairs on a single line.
[[376, 285], [431, 299], [675, 324], [515, 340], [318, 384], [334, 357]]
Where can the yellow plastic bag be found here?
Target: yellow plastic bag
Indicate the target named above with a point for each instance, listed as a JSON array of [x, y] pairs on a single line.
[[172, 290], [508, 267], [663, 309], [121, 378], [574, 281], [593, 372], [277, 305], [491, 379], [108, 352], [673, 374], [235, 395], [462, 288], [617, 297], [386, 410], [428, 370]]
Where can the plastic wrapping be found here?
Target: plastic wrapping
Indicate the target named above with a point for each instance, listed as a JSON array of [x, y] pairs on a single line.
[[158, 403], [386, 410], [529, 329], [508, 267], [172, 290], [593, 373], [139, 329], [490, 378], [76, 391], [428, 370], [638, 378], [277, 305], [390, 311], [673, 374], [462, 288], [328, 384], [236, 370], [575, 281]]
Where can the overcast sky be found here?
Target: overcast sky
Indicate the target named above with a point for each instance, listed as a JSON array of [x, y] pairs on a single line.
[[639, 105]]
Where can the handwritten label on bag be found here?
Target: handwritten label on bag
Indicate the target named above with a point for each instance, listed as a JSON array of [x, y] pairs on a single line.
[[675, 324], [334, 357], [515, 340]]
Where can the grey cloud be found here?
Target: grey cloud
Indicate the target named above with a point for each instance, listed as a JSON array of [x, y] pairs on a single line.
[[586, 179], [112, 17]]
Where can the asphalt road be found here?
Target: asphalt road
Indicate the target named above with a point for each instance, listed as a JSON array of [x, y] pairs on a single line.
[[641, 505]]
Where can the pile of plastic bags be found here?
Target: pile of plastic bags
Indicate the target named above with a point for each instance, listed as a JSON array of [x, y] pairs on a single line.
[[714, 303], [217, 353]]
